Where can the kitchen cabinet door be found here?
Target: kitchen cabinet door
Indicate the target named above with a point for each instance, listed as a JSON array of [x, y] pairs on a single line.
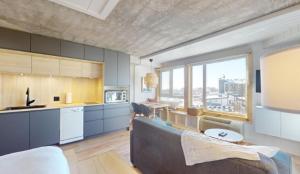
[[45, 45], [116, 123], [290, 126], [123, 69], [267, 122], [93, 53], [45, 66], [14, 132], [16, 40], [14, 62], [116, 112], [92, 128], [70, 68], [44, 128], [72, 49], [93, 115], [110, 68], [91, 70]]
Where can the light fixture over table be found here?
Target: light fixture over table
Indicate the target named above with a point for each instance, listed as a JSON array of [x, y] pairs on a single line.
[[151, 79], [280, 80]]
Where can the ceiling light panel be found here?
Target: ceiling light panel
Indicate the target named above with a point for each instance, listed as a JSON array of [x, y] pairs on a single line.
[[97, 8]]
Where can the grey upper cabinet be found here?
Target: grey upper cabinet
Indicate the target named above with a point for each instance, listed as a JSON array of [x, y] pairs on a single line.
[[44, 128], [16, 40], [45, 45], [110, 68], [72, 49], [93, 53], [14, 132], [123, 69]]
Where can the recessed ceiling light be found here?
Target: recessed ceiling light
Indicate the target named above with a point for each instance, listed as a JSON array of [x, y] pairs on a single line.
[[97, 8]]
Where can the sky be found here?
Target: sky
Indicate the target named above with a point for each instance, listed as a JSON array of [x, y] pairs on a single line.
[[232, 69]]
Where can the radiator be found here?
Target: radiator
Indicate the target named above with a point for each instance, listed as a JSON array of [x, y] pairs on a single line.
[[208, 122]]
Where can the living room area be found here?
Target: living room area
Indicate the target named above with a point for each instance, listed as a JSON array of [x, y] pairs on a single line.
[[238, 91], [149, 87]]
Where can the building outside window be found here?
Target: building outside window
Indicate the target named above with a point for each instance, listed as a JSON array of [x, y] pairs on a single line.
[[226, 84], [220, 86]]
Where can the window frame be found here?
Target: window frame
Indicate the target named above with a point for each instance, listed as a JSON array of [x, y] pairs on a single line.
[[248, 59], [170, 93]]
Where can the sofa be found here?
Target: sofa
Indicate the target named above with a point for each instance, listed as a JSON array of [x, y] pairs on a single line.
[[155, 148]]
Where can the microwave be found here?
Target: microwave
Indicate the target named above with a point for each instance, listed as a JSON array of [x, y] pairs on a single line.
[[116, 96]]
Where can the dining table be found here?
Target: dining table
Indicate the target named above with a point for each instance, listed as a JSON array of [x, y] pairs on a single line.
[[155, 106]]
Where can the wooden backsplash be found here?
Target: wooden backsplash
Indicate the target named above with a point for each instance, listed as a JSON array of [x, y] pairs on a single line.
[[44, 88]]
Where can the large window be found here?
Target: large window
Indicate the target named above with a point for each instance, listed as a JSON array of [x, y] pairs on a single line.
[[197, 86], [226, 86], [165, 82], [178, 82], [172, 86], [220, 86]]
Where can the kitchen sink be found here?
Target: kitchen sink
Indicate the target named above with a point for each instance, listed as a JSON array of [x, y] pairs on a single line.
[[25, 107]]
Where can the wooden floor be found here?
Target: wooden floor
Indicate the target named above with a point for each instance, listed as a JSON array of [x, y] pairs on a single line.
[[105, 154]]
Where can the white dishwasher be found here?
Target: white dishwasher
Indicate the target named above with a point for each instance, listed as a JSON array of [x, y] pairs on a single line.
[[71, 124]]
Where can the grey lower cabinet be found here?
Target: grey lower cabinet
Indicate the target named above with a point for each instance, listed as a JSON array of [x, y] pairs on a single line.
[[116, 123], [123, 69], [45, 45], [110, 68], [93, 53], [93, 120], [14, 132], [116, 117], [71, 49], [44, 127], [15, 40]]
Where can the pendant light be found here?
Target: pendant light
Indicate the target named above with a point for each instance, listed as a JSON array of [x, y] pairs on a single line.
[[151, 79]]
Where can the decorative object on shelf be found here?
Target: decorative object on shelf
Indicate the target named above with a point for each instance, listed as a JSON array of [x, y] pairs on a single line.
[[151, 79], [145, 89], [279, 80]]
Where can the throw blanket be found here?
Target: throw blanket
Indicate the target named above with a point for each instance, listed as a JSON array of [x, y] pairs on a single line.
[[198, 148], [44, 160]]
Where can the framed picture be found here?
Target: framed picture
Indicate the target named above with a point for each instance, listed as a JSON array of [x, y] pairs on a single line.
[[145, 89]]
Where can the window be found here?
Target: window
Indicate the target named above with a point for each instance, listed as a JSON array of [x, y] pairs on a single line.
[[226, 86], [172, 86], [178, 82], [197, 86], [165, 82], [220, 86]]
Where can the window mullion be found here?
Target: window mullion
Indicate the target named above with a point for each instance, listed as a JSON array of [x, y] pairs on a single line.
[[204, 87], [171, 83]]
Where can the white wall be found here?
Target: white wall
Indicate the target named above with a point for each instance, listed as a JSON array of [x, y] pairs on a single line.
[[137, 71]]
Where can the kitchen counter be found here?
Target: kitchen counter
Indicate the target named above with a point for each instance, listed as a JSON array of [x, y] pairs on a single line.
[[52, 106]]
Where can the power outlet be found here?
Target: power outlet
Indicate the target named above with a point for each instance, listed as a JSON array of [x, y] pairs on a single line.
[[56, 98]]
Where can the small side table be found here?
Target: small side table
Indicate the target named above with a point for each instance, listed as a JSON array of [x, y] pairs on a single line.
[[231, 136]]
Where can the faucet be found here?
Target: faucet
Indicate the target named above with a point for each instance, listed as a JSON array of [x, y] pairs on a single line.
[[28, 101]]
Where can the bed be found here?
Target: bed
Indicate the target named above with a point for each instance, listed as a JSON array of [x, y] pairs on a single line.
[[43, 160]]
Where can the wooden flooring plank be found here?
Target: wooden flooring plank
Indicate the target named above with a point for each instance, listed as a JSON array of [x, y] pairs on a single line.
[[105, 154]]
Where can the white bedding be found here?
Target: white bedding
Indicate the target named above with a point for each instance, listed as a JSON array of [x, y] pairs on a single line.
[[43, 160]]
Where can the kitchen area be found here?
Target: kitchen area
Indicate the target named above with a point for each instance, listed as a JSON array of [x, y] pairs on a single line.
[[54, 91]]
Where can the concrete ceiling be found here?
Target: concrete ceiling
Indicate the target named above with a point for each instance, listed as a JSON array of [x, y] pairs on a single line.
[[138, 27]]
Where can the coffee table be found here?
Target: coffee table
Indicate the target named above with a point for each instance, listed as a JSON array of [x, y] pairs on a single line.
[[231, 136]]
